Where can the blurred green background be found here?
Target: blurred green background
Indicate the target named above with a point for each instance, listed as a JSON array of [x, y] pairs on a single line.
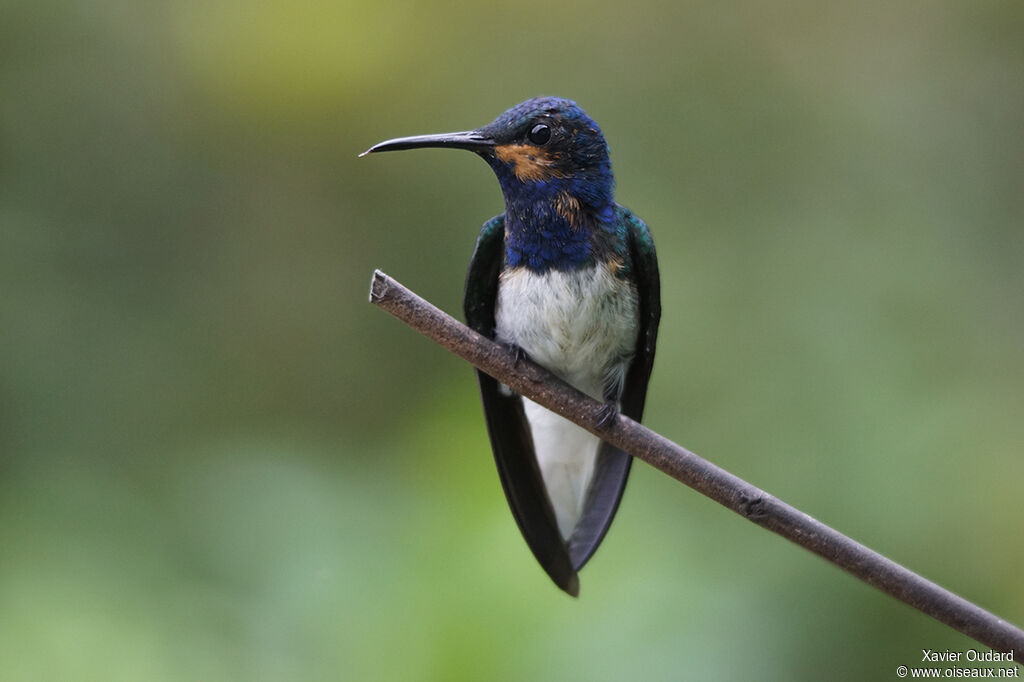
[[219, 462]]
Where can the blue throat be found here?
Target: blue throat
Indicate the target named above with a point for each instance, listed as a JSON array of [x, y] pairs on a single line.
[[557, 223]]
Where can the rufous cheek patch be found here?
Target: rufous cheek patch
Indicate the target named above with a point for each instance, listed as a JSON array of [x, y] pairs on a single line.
[[529, 163]]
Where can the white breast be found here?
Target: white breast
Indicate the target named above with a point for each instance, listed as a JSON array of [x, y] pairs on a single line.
[[580, 325]]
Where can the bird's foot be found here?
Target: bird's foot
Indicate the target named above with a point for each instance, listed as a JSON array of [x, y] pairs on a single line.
[[607, 414], [518, 354]]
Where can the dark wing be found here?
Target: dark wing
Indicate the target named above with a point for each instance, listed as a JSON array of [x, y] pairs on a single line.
[[612, 466], [506, 422]]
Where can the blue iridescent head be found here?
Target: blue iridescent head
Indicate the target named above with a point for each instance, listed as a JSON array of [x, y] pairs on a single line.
[[553, 166], [548, 147], [539, 149]]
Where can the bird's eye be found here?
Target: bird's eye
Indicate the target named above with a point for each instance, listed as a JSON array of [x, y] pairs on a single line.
[[539, 134]]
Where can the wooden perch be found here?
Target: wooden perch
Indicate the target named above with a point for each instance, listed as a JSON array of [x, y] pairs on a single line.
[[728, 490]]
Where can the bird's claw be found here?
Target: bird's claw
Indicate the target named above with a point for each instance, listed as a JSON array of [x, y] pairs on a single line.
[[607, 414], [518, 354]]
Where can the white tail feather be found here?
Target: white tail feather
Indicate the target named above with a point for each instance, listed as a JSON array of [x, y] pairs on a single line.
[[566, 455]]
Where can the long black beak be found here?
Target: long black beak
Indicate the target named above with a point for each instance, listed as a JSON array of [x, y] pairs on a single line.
[[472, 140]]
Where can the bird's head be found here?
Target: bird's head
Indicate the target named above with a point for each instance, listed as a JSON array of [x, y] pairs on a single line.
[[545, 149]]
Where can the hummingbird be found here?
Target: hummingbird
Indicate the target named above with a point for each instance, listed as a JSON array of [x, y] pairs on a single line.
[[567, 278]]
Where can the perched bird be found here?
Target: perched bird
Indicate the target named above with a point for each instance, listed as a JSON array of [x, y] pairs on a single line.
[[569, 279]]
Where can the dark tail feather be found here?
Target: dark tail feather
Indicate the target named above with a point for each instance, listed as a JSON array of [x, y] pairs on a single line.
[[611, 470]]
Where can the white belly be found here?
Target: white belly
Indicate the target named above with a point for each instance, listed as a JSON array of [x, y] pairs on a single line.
[[580, 325]]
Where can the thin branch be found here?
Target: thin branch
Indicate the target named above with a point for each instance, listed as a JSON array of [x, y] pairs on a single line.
[[728, 490]]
